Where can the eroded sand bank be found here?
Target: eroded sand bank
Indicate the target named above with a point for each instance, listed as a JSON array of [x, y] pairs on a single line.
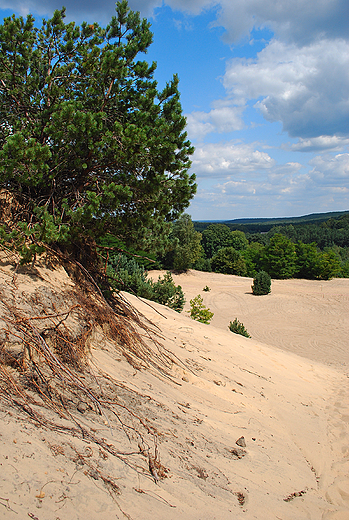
[[292, 411]]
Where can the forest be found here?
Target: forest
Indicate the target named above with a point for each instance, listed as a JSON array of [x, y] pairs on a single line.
[[315, 251]]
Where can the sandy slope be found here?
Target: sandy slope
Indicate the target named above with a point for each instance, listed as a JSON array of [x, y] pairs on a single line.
[[307, 317], [293, 413]]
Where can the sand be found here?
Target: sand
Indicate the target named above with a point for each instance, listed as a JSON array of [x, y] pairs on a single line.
[[284, 391], [307, 317]]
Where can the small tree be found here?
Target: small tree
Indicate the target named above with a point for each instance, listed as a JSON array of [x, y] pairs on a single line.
[[330, 265], [238, 240], [307, 260], [214, 237], [167, 293], [203, 264], [238, 328], [253, 256], [126, 275], [199, 312], [261, 284]]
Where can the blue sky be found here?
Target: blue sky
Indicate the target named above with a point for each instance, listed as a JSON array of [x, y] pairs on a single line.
[[265, 89]]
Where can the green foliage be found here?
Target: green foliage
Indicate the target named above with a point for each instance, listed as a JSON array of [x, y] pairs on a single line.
[[115, 246], [308, 247], [203, 264], [199, 312], [88, 144], [167, 293], [238, 240], [261, 284], [127, 275], [214, 238], [344, 256], [280, 257], [314, 264], [229, 261], [334, 232], [206, 288], [308, 261], [330, 265], [187, 243], [238, 328], [253, 255]]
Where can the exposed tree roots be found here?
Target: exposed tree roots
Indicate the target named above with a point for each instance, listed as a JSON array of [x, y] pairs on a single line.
[[45, 372]]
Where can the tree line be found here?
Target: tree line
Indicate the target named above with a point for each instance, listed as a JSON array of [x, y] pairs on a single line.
[[283, 252]]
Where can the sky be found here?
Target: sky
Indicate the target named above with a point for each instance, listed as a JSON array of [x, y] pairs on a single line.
[[265, 89]]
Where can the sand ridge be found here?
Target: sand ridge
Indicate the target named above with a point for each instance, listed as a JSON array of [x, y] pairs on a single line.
[[292, 411]]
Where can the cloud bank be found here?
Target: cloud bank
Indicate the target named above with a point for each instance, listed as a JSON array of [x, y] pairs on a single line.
[[306, 89]]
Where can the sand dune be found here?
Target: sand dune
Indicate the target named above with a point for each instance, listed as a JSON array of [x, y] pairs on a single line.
[[291, 411], [307, 317]]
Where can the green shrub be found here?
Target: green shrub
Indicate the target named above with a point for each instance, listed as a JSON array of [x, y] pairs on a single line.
[[261, 284], [206, 288], [198, 311], [167, 293], [126, 275], [238, 328], [203, 264]]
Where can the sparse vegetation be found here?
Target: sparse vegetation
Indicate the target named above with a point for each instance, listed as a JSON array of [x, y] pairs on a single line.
[[206, 288], [125, 274], [199, 312], [238, 328]]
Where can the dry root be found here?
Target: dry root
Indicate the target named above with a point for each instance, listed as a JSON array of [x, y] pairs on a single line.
[[45, 372]]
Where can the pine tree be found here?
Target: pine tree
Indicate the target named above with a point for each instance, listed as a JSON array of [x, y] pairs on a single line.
[[88, 144]]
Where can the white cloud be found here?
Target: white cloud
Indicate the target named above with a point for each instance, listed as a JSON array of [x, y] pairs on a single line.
[[307, 88], [270, 195], [198, 125], [301, 21], [239, 180], [331, 170], [263, 195], [225, 159], [191, 6], [319, 144], [224, 117], [78, 10]]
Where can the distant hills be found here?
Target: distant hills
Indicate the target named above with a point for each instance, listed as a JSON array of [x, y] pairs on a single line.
[[305, 219], [264, 224]]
